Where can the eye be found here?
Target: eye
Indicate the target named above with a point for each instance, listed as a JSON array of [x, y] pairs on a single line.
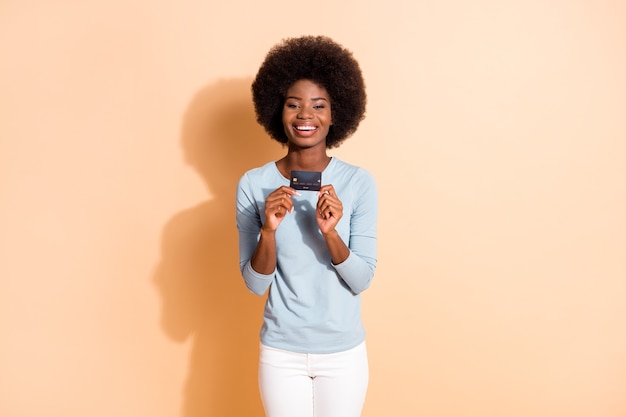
[[291, 105], [319, 106]]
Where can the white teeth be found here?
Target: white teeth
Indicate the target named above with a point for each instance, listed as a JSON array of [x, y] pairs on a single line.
[[305, 127]]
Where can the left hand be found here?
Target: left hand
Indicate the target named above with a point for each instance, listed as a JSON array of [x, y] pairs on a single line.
[[329, 209]]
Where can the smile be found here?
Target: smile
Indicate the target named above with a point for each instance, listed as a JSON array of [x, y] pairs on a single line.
[[305, 128]]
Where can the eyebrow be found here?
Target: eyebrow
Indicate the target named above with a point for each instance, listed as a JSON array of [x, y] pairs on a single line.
[[300, 98]]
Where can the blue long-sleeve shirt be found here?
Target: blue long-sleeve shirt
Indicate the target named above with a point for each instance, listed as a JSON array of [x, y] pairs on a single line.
[[313, 305]]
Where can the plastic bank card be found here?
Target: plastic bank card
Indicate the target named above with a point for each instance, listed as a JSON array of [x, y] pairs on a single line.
[[306, 180]]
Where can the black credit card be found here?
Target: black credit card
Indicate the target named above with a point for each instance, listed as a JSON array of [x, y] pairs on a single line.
[[306, 180]]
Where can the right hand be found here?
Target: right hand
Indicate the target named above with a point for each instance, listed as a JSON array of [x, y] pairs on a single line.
[[277, 205]]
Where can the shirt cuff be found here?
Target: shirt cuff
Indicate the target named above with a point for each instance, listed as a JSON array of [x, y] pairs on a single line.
[[257, 282]]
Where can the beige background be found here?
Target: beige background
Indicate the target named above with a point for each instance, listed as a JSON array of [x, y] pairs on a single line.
[[497, 134]]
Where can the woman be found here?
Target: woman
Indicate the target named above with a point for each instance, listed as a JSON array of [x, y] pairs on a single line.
[[314, 250]]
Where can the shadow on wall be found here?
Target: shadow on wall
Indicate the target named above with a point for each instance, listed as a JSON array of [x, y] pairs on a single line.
[[202, 293]]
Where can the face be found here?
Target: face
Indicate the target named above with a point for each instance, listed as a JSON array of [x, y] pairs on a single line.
[[307, 115]]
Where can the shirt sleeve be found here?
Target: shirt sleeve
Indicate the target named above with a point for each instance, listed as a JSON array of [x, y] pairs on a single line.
[[249, 229], [358, 269]]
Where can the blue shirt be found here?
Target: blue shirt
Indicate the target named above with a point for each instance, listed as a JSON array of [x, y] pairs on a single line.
[[313, 305]]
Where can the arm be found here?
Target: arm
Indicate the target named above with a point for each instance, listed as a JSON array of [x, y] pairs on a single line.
[[257, 246], [329, 212], [355, 262], [277, 205]]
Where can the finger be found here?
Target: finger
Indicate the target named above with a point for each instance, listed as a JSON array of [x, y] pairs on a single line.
[[326, 198], [330, 208], [282, 192], [288, 190], [281, 196], [280, 212], [326, 210], [327, 189], [282, 206]]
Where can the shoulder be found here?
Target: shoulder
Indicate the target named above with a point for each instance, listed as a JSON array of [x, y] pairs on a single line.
[[266, 169], [259, 174], [355, 174]]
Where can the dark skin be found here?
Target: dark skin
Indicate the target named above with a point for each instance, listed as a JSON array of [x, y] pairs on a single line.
[[306, 119]]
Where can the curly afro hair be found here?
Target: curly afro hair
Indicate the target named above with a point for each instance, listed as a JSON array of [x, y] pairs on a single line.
[[323, 61]]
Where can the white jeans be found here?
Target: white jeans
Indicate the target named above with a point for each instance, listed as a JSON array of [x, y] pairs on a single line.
[[313, 385]]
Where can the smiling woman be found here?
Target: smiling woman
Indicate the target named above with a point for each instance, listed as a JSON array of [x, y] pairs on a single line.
[[314, 263], [307, 114], [325, 63]]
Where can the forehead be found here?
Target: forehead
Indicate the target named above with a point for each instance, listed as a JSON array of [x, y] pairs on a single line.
[[307, 89]]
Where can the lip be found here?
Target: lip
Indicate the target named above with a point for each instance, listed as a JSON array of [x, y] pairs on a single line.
[[309, 131]]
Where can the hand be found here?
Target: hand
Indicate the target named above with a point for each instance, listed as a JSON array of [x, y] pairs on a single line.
[[277, 204], [329, 209]]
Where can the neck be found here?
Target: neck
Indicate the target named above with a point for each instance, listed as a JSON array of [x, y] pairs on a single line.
[[303, 161]]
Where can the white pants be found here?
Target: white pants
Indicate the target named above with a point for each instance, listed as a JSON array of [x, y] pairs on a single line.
[[313, 385]]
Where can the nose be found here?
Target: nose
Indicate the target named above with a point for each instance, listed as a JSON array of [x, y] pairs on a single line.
[[304, 113]]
